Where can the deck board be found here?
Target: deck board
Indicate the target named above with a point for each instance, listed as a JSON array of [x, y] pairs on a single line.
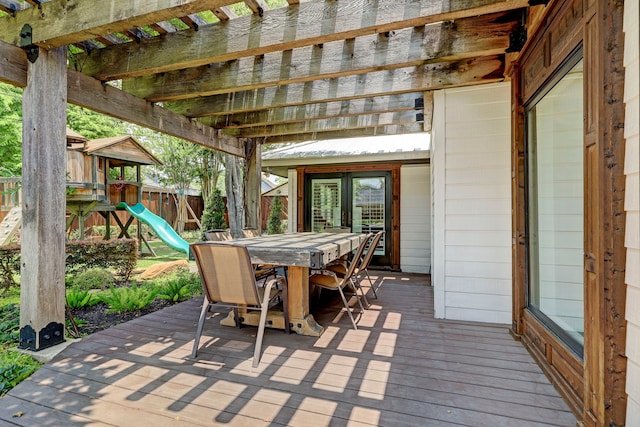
[[400, 368]]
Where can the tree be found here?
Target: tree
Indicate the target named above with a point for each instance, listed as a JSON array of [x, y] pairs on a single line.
[[93, 125], [10, 130], [274, 222], [213, 215]]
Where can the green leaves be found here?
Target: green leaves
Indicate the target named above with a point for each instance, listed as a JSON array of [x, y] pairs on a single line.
[[10, 130], [14, 368], [180, 287], [274, 222], [78, 298], [10, 325], [127, 300]]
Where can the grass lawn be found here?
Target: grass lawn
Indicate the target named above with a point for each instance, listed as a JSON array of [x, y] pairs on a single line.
[[164, 253]]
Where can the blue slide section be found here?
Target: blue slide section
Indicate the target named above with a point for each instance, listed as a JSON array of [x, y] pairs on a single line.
[[161, 227]]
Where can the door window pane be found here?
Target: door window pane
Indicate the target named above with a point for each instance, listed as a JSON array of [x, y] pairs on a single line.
[[326, 203], [555, 180], [368, 207]]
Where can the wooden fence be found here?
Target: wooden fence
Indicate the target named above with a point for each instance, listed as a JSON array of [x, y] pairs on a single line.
[[160, 201]]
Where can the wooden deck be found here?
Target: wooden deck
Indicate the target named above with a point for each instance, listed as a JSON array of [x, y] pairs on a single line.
[[401, 368]]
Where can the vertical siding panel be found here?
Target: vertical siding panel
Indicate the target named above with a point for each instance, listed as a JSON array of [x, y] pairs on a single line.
[[438, 137], [471, 162], [415, 219], [632, 206]]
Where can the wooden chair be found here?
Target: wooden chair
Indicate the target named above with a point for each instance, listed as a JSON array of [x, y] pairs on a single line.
[[366, 259], [262, 271], [327, 279], [362, 264], [228, 280]]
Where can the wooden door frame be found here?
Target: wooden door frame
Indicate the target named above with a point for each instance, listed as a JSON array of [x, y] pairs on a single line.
[[594, 387], [394, 168]]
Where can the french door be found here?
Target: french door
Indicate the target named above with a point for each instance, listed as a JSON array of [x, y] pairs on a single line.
[[357, 201]]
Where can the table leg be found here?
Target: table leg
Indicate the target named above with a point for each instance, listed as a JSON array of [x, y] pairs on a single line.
[[302, 322]]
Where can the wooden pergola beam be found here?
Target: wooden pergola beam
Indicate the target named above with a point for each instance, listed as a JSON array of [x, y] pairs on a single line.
[[90, 93], [310, 23], [325, 110], [468, 37], [389, 82], [364, 132], [327, 125], [61, 22]]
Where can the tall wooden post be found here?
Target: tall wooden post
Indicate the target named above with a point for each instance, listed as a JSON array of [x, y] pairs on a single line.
[[42, 289], [253, 184]]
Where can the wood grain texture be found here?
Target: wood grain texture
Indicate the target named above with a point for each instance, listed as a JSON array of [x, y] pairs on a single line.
[[310, 23], [380, 83], [323, 110], [42, 283], [401, 368], [60, 22], [469, 37]]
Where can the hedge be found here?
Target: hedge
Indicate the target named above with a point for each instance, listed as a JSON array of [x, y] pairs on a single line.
[[119, 255]]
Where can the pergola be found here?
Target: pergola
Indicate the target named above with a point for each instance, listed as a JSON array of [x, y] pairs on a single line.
[[325, 69], [196, 70]]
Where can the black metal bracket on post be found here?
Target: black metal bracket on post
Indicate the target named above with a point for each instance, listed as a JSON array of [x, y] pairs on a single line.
[[50, 335], [33, 51], [538, 2], [27, 338]]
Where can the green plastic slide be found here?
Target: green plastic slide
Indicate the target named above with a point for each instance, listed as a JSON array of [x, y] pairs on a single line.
[[161, 227]]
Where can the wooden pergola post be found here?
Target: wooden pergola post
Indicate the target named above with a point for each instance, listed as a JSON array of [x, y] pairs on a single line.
[[42, 288], [253, 185]]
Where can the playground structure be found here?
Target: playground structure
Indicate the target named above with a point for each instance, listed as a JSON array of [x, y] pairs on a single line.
[[159, 226], [93, 187]]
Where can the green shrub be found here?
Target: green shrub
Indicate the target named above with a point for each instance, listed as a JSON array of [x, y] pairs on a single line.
[[127, 300], [119, 254], [78, 298], [180, 287], [14, 368], [274, 223], [9, 266], [213, 215], [10, 325], [93, 278]]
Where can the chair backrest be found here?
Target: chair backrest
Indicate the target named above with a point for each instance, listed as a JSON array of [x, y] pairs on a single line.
[[372, 248], [217, 235], [357, 256], [226, 273]]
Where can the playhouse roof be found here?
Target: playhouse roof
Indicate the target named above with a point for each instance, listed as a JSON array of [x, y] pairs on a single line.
[[73, 136], [125, 149]]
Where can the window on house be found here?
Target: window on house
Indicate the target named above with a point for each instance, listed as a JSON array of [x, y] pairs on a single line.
[[554, 122]]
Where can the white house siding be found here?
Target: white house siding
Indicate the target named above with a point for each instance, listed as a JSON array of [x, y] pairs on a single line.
[[415, 218], [632, 207], [471, 181]]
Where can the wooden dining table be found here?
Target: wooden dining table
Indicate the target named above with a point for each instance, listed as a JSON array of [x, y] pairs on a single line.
[[299, 252]]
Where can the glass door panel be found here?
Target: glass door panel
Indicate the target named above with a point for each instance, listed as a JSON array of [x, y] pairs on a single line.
[[326, 203], [368, 208]]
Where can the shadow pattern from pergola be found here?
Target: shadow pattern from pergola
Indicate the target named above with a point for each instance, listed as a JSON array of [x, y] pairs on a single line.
[[401, 367]]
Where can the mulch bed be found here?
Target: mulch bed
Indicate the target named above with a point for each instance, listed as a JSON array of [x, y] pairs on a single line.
[[97, 318]]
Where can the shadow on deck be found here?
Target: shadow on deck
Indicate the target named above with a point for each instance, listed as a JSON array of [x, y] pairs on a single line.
[[400, 368]]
